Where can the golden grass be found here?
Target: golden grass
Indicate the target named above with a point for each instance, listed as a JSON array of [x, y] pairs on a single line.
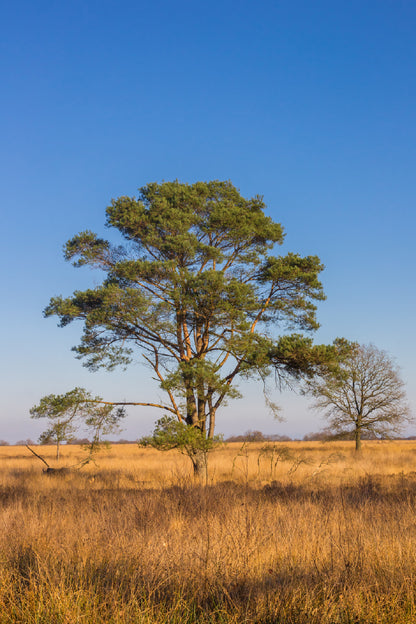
[[299, 533]]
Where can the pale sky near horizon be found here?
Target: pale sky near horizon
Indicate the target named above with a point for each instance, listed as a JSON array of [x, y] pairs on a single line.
[[310, 104]]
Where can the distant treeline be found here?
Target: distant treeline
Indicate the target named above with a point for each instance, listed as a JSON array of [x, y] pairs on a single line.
[[248, 436], [258, 436], [318, 436]]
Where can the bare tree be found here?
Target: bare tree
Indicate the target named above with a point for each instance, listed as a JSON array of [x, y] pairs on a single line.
[[362, 393]]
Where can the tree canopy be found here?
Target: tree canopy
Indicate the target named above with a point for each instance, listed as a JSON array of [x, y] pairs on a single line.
[[199, 292]]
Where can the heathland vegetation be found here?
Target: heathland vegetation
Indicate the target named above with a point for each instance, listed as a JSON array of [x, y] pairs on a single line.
[[284, 532], [275, 531]]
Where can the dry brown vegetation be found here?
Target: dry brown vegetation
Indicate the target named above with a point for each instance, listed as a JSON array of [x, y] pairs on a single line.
[[282, 533]]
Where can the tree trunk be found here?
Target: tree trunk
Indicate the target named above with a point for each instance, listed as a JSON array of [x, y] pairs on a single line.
[[57, 450], [200, 464], [191, 407], [358, 439], [211, 423], [201, 408]]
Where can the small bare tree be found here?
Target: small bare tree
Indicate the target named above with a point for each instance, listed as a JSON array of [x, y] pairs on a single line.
[[362, 392], [77, 408]]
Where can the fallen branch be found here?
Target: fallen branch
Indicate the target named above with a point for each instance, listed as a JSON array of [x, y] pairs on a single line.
[[48, 469], [39, 457]]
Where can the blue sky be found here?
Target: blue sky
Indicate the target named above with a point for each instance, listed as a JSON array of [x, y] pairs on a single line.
[[311, 104]]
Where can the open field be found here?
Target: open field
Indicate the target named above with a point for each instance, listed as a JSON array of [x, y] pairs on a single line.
[[299, 532]]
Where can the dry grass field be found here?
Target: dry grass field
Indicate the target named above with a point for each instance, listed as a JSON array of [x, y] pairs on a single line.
[[298, 533]]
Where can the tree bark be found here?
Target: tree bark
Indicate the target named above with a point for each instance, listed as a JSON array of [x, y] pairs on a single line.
[[200, 464], [191, 406], [201, 407], [211, 423], [358, 439]]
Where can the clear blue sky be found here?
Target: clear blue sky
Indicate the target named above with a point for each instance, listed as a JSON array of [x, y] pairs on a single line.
[[311, 104]]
